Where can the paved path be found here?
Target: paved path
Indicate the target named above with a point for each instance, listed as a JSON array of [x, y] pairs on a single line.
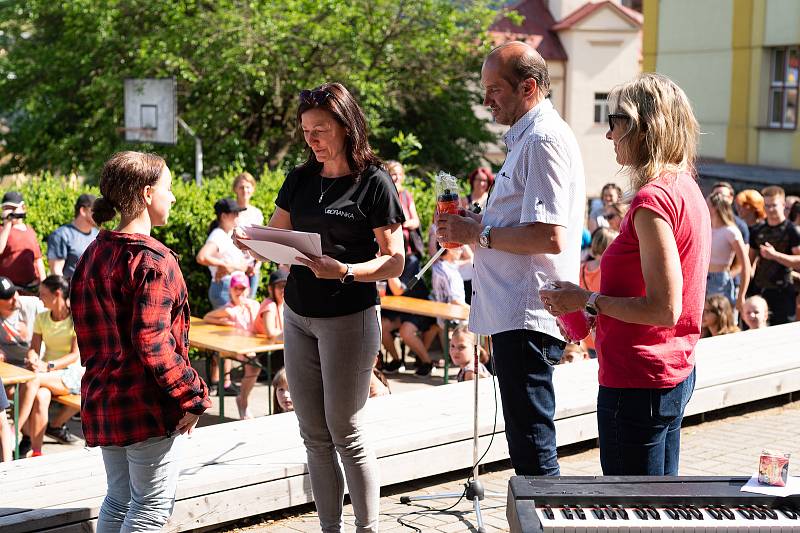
[[727, 443]]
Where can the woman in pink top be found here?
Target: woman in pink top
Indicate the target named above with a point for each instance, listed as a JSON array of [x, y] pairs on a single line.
[[726, 244], [241, 313], [650, 304]]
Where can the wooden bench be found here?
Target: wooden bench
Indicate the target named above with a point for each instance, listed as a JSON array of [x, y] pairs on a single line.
[[230, 471], [70, 400]]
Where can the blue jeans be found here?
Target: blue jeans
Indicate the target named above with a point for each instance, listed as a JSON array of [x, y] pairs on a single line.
[[219, 292], [640, 429], [721, 283], [524, 361], [142, 479]]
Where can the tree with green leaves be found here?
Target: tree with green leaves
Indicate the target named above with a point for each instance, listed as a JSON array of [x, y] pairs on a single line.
[[413, 65]]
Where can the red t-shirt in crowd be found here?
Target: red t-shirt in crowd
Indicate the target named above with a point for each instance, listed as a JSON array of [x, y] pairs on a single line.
[[21, 253], [638, 356]]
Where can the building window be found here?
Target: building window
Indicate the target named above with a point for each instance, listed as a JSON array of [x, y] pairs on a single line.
[[600, 108], [783, 87]]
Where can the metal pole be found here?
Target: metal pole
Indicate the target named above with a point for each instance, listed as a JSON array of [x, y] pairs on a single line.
[[475, 376], [198, 161], [198, 152]]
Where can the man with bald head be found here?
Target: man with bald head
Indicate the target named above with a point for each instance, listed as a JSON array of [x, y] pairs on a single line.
[[530, 232]]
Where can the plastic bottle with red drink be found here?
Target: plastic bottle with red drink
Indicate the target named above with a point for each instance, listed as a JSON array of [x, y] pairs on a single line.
[[447, 201]]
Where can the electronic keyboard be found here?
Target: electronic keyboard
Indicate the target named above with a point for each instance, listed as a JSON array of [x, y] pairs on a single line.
[[641, 503]]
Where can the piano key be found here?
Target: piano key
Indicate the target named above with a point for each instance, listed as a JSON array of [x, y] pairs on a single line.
[[580, 513], [702, 520], [610, 512]]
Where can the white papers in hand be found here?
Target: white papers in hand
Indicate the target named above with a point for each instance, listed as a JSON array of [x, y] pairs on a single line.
[[282, 246]]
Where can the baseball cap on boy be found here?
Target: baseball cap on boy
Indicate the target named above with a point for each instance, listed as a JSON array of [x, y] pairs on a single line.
[[7, 288], [12, 199], [227, 205], [239, 279]]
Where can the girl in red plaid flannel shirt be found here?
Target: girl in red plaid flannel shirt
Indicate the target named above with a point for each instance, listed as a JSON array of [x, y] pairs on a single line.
[[131, 315]]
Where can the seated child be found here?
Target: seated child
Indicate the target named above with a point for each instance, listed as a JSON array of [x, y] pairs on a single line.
[[378, 384], [755, 312], [58, 370], [281, 399], [448, 285], [590, 269], [241, 313], [717, 317], [269, 320], [462, 346], [573, 353], [408, 326]]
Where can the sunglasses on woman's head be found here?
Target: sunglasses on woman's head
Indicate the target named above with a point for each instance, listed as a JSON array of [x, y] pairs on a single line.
[[315, 97], [612, 116]]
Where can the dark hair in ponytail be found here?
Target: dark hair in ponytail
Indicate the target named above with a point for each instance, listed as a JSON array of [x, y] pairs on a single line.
[[121, 183], [55, 282]]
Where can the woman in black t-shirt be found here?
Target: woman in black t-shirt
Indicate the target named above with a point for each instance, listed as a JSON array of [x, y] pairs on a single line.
[[331, 313]]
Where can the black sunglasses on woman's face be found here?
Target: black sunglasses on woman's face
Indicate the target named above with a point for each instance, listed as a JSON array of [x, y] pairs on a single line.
[[612, 116], [317, 96]]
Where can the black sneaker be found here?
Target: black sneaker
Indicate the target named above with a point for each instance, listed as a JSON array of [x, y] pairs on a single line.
[[24, 446], [392, 366], [423, 369], [61, 434]]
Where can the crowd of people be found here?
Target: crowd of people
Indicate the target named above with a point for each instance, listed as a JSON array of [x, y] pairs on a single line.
[[650, 267]]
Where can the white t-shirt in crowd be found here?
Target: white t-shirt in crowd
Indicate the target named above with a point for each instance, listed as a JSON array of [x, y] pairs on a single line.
[[227, 249], [250, 216]]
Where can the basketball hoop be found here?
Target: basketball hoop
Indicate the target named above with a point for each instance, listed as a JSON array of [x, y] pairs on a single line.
[[151, 116], [151, 110]]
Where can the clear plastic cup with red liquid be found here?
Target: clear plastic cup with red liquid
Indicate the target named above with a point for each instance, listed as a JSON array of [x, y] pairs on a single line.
[[447, 201], [575, 325]]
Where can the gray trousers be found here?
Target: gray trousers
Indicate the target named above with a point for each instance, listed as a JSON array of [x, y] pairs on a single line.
[[328, 367]]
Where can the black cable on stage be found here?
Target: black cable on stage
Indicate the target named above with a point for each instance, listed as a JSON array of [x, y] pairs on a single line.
[[447, 510]]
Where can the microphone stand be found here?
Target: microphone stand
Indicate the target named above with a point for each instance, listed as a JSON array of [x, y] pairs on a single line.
[[473, 489]]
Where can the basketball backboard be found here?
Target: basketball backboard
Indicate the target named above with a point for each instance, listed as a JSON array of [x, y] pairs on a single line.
[[151, 110]]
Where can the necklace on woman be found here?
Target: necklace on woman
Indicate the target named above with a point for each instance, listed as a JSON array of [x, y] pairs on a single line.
[[322, 192]]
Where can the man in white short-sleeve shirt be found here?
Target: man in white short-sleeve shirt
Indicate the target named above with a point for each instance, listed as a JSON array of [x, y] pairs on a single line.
[[530, 232]]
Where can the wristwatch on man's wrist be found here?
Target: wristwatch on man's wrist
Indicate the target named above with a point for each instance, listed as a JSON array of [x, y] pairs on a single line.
[[591, 304], [483, 238], [50, 366], [348, 277]]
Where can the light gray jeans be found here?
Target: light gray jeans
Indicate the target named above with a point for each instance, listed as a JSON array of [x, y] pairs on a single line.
[[142, 479], [328, 367]]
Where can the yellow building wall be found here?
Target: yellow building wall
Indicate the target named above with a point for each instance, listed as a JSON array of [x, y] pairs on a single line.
[[742, 89], [694, 49], [650, 10]]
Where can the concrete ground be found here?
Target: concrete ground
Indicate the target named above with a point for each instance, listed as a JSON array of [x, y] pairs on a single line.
[[726, 443]]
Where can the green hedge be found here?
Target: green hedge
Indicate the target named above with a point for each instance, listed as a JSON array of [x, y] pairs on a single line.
[[50, 202]]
